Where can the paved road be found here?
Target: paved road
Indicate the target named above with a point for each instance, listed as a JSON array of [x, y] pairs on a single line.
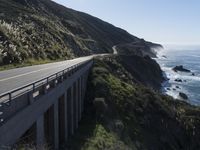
[[115, 50], [15, 78]]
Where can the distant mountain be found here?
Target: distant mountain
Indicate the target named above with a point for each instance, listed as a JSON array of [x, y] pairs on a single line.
[[43, 29]]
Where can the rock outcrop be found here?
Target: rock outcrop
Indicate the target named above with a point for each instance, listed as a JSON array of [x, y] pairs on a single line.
[[144, 70], [183, 96], [181, 69], [178, 80]]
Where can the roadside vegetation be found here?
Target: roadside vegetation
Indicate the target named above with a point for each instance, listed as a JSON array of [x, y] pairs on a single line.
[[29, 62]]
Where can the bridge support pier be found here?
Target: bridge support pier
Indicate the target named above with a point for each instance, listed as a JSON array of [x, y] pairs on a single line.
[[82, 94], [56, 126], [40, 132], [70, 110], [66, 117], [84, 86], [79, 99], [76, 105], [53, 110]]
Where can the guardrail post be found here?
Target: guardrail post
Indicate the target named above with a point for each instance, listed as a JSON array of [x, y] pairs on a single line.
[[62, 78], [10, 97], [55, 82], [66, 73], [31, 99], [45, 88], [70, 71]]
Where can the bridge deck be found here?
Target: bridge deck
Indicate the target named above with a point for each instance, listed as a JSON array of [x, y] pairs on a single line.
[[15, 78]]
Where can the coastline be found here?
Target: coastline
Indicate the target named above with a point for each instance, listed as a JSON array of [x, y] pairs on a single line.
[[166, 88], [177, 82]]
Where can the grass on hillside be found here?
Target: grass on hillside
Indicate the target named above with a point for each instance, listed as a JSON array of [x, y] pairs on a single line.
[[136, 117]]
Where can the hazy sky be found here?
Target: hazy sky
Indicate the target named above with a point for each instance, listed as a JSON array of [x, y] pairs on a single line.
[[163, 21]]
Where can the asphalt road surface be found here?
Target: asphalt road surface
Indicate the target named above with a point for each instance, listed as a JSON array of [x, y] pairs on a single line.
[[15, 78]]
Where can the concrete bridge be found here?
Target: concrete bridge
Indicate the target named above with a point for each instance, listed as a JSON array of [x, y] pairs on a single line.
[[50, 104]]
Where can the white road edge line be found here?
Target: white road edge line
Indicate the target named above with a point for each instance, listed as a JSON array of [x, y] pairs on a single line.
[[30, 73]]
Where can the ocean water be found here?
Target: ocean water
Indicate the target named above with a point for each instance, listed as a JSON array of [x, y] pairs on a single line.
[[190, 59]]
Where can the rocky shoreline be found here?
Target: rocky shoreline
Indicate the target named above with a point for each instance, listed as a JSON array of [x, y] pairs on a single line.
[[181, 94]]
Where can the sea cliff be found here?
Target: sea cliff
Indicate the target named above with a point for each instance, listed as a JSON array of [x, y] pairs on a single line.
[[123, 112]]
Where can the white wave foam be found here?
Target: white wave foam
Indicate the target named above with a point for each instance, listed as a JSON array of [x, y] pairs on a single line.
[[174, 75], [189, 82]]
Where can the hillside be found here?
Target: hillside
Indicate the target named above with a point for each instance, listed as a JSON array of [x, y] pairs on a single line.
[[43, 30], [123, 114], [141, 48]]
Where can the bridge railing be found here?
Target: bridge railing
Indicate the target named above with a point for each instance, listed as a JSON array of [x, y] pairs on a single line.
[[17, 99]]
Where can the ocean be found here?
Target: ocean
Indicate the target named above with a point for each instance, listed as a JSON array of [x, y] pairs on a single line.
[[189, 57]]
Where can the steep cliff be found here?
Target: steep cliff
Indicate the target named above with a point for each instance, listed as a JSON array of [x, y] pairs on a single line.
[[124, 114]]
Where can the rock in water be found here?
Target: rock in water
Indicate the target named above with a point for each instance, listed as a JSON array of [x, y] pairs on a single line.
[[178, 80], [181, 69], [183, 95], [164, 56]]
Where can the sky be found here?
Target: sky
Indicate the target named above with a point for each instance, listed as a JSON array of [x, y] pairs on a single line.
[[161, 21]]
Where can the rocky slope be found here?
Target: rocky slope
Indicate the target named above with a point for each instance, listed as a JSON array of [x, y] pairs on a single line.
[[145, 70], [140, 48], [123, 114], [44, 30]]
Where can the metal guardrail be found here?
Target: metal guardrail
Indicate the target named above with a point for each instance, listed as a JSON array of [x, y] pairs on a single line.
[[46, 79], [35, 87]]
